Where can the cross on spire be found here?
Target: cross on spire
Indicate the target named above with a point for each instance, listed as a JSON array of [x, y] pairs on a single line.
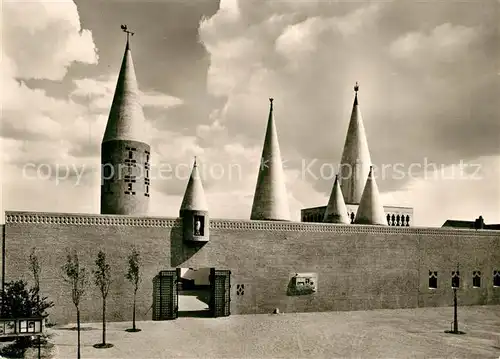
[[127, 31]]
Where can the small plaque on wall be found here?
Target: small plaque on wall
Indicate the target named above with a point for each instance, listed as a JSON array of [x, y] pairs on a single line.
[[303, 283]]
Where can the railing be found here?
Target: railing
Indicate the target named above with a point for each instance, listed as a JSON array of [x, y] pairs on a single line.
[[15, 327]]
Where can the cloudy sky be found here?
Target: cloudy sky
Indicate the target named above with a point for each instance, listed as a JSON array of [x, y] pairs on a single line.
[[429, 75]]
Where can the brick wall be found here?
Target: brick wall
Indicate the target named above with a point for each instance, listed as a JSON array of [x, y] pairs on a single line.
[[359, 267]]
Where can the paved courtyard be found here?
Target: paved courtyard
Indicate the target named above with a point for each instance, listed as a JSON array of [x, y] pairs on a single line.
[[412, 333]]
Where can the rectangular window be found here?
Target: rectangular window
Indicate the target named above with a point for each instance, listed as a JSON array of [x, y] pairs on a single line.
[[147, 158], [130, 187], [476, 279], [496, 278], [433, 282], [455, 279], [147, 189]]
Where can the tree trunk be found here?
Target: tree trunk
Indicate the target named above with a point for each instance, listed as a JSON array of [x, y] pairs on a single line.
[[133, 313], [78, 330], [455, 315], [104, 321]]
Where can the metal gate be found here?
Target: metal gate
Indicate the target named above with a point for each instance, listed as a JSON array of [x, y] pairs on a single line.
[[165, 299], [220, 281]]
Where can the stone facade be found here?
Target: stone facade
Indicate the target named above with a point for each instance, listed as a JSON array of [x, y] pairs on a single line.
[[125, 177], [358, 267]]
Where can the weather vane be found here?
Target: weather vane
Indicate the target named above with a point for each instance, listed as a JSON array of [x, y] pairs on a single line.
[[356, 87], [126, 30]]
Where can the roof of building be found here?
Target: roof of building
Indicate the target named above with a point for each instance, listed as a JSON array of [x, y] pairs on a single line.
[[370, 210], [270, 201], [336, 210], [468, 224], [356, 160], [194, 197], [126, 118]]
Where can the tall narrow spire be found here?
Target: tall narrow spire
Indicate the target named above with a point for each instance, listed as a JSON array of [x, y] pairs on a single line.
[[125, 152], [126, 118], [270, 201], [356, 161], [336, 211], [194, 197], [370, 210]]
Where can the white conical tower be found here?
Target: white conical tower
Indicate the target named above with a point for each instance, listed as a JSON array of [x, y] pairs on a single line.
[[125, 153], [194, 210], [194, 197], [270, 201], [356, 161], [370, 210], [336, 211], [126, 118]]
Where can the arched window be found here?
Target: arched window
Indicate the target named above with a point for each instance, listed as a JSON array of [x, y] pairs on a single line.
[[433, 280]]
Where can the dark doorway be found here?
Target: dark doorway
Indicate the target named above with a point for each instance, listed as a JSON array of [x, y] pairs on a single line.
[[194, 291]]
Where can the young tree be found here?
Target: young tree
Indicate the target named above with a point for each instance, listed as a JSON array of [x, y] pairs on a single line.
[[76, 276], [134, 276], [19, 301], [102, 276], [22, 302]]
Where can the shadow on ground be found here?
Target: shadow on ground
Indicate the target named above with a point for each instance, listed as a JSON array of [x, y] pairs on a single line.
[[83, 329], [194, 314]]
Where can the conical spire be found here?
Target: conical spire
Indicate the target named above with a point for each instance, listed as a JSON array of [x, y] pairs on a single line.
[[270, 201], [126, 119], [370, 210], [356, 161], [194, 197], [336, 211]]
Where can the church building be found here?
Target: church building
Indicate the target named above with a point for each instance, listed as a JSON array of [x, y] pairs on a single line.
[[352, 254]]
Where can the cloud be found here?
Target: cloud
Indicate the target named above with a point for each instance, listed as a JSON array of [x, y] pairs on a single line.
[[460, 191], [445, 43], [427, 83], [42, 39], [51, 144], [427, 91]]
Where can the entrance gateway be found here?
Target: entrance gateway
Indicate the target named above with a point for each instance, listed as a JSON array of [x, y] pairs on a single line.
[[166, 293]]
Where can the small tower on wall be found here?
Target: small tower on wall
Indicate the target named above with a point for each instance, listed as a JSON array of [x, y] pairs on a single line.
[[371, 210], [125, 152], [270, 202], [336, 210], [194, 210], [356, 161]]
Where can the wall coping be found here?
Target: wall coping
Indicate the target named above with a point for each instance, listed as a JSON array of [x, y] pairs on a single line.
[[19, 217]]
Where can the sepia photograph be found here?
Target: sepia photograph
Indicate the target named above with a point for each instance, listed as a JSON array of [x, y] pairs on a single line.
[[250, 179]]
